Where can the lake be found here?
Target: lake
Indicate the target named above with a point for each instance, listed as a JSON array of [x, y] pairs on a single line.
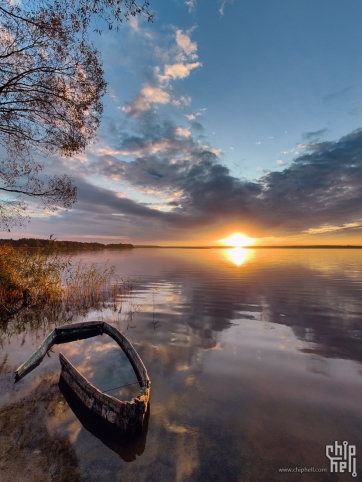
[[254, 356]]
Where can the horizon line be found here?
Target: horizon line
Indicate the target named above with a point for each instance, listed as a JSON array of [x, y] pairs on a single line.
[[296, 246]]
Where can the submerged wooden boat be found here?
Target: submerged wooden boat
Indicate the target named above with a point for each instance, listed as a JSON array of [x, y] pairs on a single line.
[[127, 416]]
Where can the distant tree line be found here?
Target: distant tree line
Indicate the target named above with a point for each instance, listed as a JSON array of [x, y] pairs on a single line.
[[51, 243]]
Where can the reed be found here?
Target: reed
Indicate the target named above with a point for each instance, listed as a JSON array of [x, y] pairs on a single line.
[[37, 271], [52, 278], [89, 284]]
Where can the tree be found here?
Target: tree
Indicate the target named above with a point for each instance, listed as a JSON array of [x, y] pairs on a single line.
[[51, 85]]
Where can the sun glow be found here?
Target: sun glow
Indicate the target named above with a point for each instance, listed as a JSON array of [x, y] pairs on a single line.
[[237, 255], [238, 240]]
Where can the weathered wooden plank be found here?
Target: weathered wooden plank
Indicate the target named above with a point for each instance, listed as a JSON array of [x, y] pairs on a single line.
[[128, 416], [37, 357]]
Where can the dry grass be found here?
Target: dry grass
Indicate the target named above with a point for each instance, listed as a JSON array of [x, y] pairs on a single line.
[[54, 279], [38, 271], [89, 284]]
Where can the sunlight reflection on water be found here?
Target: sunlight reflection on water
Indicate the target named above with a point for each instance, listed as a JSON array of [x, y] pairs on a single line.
[[237, 255]]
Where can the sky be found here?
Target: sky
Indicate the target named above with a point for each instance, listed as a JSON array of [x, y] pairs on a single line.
[[223, 117]]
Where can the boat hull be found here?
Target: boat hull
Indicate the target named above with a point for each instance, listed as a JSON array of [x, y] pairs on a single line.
[[127, 416]]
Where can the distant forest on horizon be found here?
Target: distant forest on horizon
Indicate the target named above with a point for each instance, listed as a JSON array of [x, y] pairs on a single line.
[[52, 243]]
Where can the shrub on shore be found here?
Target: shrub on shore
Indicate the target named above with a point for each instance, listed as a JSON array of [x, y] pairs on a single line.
[[39, 272], [51, 277]]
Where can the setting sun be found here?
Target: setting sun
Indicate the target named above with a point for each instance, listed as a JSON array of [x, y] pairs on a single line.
[[238, 240]]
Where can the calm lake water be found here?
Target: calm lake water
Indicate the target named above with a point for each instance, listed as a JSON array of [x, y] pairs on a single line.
[[254, 358]]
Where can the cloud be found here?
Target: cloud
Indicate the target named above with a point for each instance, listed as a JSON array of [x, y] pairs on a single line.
[[133, 22], [180, 71], [327, 228], [135, 146], [177, 183], [191, 4], [355, 111], [182, 131], [183, 100], [196, 128], [174, 65], [149, 95], [216, 151], [171, 179], [336, 95], [222, 7], [155, 94], [314, 136], [184, 42], [93, 199], [320, 188], [136, 107]]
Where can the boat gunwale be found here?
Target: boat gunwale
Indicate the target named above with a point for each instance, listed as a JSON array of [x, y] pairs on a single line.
[[79, 384]]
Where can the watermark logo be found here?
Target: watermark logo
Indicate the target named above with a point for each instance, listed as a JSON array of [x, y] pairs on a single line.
[[342, 458]]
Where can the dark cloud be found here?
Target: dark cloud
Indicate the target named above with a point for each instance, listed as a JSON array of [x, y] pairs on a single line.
[[323, 186], [149, 135], [336, 95], [314, 136], [94, 198], [196, 127], [355, 111]]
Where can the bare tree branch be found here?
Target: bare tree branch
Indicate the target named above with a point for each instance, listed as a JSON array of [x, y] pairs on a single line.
[[51, 86]]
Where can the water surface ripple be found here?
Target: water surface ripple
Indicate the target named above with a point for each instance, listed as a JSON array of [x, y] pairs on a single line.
[[255, 362]]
